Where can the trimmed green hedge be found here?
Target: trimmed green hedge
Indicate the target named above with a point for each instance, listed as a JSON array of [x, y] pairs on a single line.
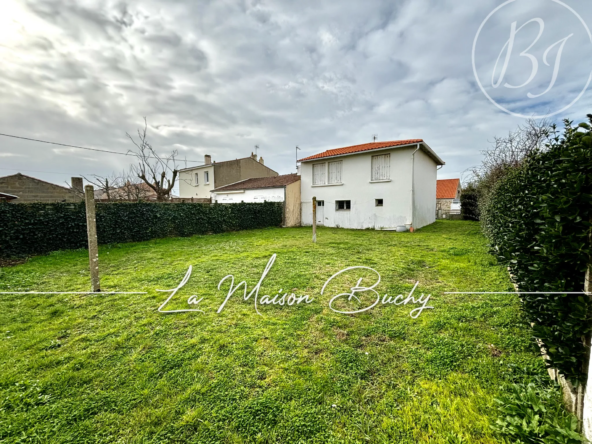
[[538, 219], [28, 229], [469, 203]]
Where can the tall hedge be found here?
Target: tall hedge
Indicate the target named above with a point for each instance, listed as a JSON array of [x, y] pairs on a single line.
[[27, 229], [538, 219], [469, 203]]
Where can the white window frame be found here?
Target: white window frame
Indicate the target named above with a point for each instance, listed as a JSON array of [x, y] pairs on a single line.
[[320, 179], [380, 168], [335, 175], [206, 177], [196, 177]]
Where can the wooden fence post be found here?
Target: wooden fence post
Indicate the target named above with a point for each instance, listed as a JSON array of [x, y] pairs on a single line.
[[314, 219], [91, 229]]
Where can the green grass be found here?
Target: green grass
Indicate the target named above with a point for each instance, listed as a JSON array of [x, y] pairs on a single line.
[[110, 368]]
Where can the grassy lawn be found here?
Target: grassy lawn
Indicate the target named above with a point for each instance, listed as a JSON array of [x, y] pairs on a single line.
[[110, 368]]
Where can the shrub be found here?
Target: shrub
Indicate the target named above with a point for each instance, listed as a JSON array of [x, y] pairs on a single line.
[[469, 205], [538, 220], [532, 415], [27, 229]]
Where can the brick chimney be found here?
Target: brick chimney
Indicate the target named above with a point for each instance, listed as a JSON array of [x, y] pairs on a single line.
[[261, 161], [208, 159], [76, 184]]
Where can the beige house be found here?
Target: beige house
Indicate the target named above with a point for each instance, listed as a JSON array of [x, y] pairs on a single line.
[[29, 189], [198, 182], [284, 188]]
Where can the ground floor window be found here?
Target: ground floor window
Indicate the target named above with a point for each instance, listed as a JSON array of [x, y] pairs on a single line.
[[343, 204], [378, 202], [320, 203]]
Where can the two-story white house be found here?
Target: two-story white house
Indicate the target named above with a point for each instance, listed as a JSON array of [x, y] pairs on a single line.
[[378, 185]]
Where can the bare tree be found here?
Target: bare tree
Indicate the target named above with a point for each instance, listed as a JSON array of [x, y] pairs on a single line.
[[510, 151], [133, 188], [106, 185], [158, 172]]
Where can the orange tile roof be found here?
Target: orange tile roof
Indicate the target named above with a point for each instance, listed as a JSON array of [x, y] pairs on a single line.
[[359, 148], [446, 188]]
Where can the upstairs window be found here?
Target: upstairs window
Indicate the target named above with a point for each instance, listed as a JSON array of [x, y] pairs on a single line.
[[206, 177], [196, 179], [378, 202], [318, 174], [381, 167], [335, 172]]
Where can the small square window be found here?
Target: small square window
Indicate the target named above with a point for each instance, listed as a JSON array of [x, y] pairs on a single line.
[[378, 202], [343, 204], [320, 203]]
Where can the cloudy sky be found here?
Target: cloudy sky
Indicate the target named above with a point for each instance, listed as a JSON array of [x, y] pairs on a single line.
[[219, 77]]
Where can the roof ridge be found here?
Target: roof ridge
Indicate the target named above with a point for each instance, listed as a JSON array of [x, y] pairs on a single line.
[[39, 180]]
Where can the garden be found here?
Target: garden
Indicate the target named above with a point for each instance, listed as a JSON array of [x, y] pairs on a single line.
[[106, 368]]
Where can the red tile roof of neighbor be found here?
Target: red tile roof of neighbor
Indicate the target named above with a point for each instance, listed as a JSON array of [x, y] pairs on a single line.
[[261, 182], [360, 148], [446, 188]]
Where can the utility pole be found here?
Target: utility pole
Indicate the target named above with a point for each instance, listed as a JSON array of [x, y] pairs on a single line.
[[93, 245]]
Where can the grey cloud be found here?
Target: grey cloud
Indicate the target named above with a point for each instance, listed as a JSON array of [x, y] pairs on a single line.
[[220, 77]]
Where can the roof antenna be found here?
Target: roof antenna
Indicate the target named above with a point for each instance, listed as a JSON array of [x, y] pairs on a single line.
[[374, 136], [256, 148], [297, 149]]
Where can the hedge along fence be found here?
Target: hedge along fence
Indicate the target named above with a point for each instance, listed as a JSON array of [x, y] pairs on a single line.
[[27, 229], [538, 220], [469, 203]]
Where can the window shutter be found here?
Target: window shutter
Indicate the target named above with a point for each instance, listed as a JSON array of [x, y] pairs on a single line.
[[381, 166], [318, 173], [335, 172]]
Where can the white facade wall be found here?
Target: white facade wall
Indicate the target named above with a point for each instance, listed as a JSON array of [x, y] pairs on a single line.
[[425, 179], [188, 187], [357, 187], [261, 195]]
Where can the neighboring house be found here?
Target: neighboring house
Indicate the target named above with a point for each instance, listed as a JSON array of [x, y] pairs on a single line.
[[4, 197], [199, 181], [130, 192], [374, 185], [28, 189], [284, 188], [448, 197]]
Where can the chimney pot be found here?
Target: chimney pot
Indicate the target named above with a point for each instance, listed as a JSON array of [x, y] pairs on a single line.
[[76, 184], [261, 161]]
